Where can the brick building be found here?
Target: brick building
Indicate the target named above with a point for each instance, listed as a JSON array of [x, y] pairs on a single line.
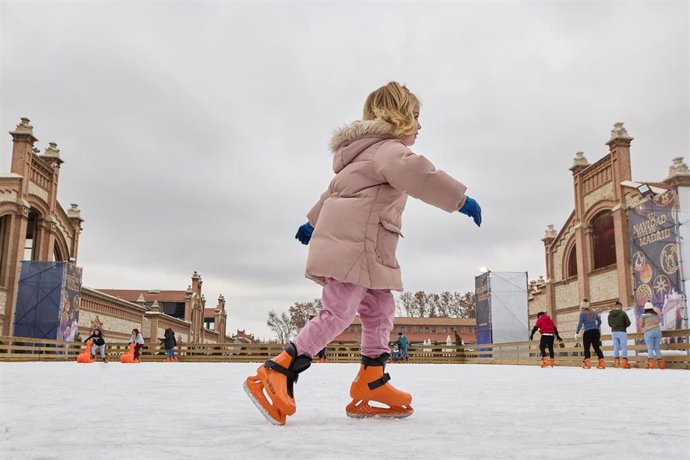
[[34, 227], [590, 255], [418, 330]]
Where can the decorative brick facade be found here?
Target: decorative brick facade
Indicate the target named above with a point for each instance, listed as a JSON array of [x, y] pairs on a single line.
[[603, 285], [601, 189], [30, 211]]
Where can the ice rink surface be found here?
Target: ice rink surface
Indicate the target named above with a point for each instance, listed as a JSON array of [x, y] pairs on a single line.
[[194, 410]]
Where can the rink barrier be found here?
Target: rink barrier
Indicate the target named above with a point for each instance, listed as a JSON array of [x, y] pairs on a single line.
[[676, 350]]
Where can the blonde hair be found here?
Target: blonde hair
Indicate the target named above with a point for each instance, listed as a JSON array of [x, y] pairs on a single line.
[[395, 104]]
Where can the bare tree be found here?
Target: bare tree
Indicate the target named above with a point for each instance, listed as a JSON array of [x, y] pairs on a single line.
[[404, 304], [444, 305], [281, 326], [301, 312]]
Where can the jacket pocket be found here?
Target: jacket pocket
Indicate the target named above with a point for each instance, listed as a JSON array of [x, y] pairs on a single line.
[[387, 243]]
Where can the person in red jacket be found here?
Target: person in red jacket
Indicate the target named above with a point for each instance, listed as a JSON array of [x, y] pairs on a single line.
[[547, 329]]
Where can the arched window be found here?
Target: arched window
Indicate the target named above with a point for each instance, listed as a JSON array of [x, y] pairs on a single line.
[[57, 254], [4, 223], [571, 267], [603, 240], [30, 242]]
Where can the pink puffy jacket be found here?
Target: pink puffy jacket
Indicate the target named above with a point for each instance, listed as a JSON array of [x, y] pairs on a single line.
[[358, 219]]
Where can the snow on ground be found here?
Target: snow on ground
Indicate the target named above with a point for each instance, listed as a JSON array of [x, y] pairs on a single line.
[[195, 410]]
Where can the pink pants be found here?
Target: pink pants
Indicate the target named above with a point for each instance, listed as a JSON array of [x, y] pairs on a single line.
[[341, 301]]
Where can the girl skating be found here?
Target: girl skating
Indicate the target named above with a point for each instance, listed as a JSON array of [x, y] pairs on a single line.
[[354, 230]]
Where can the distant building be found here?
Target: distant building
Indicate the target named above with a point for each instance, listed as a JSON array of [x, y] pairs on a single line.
[[37, 232], [418, 330], [188, 306], [601, 255], [242, 337]]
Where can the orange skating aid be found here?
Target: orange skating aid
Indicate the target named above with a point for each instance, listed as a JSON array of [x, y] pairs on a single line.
[[371, 384], [271, 389], [128, 356], [85, 356]]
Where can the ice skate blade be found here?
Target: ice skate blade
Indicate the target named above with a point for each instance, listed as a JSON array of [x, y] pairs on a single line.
[[259, 406], [364, 410], [379, 415]]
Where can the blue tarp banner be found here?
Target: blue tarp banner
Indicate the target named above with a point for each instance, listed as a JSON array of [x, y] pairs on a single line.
[[48, 299]]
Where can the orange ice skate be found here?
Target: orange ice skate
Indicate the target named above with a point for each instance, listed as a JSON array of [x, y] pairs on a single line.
[[601, 364], [587, 363], [616, 363], [626, 364], [551, 362], [371, 384], [544, 362], [271, 389]]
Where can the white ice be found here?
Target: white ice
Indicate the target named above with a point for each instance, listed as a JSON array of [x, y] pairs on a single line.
[[194, 410]]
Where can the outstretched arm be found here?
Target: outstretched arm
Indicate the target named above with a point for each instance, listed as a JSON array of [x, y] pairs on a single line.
[[417, 176]]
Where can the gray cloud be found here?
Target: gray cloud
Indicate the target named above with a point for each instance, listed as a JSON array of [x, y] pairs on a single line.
[[195, 134]]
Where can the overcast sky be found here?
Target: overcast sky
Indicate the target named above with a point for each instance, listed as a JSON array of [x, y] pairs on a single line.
[[195, 134]]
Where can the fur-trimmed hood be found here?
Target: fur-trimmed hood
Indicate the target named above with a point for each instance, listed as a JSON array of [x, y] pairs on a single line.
[[351, 140]]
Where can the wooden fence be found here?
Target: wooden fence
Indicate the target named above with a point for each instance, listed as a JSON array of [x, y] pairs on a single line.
[[676, 352]]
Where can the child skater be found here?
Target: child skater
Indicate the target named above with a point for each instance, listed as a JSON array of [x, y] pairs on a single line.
[[354, 229], [170, 343], [98, 343], [138, 340], [547, 329]]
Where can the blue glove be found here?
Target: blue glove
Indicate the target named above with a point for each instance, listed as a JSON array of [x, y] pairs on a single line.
[[472, 209], [304, 233]]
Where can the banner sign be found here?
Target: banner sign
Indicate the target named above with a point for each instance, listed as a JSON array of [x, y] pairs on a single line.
[[482, 308], [657, 275], [48, 300], [71, 300]]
